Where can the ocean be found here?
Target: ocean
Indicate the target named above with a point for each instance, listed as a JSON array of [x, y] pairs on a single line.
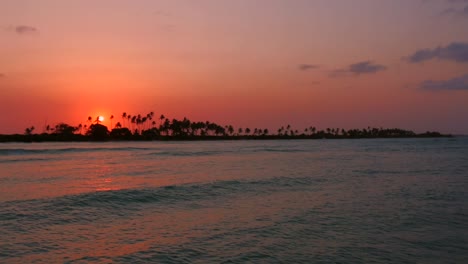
[[280, 201]]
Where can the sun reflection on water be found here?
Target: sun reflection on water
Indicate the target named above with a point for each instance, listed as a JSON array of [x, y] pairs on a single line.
[[106, 185], [100, 179]]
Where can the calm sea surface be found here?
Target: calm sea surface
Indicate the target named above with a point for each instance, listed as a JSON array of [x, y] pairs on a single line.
[[298, 201]]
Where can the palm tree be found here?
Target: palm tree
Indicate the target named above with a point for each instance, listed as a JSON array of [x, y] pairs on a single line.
[[124, 116], [313, 129], [280, 130], [129, 117], [134, 119], [230, 130], [149, 117], [28, 131], [143, 122], [162, 117], [165, 126], [111, 117]]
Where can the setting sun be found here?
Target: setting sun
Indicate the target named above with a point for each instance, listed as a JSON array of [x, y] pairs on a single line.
[[101, 119]]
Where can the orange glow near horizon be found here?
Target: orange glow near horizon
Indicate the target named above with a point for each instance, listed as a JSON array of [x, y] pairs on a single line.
[[261, 63]]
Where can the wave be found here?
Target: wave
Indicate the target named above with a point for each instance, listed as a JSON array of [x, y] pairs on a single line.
[[155, 152], [23, 160], [186, 153], [281, 150], [178, 193], [88, 207]]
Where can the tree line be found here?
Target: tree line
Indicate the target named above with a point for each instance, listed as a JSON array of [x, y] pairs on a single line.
[[148, 127]]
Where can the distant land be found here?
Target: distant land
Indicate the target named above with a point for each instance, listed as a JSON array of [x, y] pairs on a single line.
[[147, 128]]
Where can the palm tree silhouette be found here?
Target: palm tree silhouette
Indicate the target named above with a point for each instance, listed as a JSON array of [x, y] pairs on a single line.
[[134, 119], [230, 130], [28, 131], [162, 117], [124, 116], [313, 130], [111, 117], [145, 128]]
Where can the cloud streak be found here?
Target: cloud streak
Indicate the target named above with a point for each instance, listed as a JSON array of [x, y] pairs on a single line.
[[456, 12], [457, 1], [307, 67], [457, 83], [23, 29], [456, 51], [363, 67], [366, 67]]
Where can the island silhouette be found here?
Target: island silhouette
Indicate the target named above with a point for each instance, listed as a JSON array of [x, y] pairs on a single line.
[[148, 127]]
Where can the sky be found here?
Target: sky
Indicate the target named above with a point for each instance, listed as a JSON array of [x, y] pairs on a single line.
[[248, 63]]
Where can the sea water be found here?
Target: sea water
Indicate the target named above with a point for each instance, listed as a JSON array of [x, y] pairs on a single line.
[[283, 201]]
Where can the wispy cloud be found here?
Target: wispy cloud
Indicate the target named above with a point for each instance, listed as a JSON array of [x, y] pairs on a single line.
[[455, 8], [2, 75], [447, 1], [366, 67], [23, 29], [456, 51], [457, 83], [458, 8], [457, 1], [306, 67], [363, 67], [460, 12]]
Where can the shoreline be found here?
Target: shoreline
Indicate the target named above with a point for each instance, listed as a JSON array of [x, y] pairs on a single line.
[[37, 138]]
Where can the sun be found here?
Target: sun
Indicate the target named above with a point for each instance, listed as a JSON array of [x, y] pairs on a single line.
[[101, 118]]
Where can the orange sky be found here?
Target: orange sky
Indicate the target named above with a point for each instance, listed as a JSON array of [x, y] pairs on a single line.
[[249, 63]]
